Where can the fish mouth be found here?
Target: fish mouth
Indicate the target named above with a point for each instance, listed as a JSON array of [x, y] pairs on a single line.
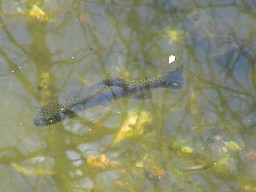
[[39, 120], [39, 123]]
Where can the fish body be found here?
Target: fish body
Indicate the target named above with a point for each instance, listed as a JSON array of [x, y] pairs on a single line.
[[68, 104]]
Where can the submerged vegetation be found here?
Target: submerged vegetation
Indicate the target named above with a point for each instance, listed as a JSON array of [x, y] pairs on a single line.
[[198, 138]]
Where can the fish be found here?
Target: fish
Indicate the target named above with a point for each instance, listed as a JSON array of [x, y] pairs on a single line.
[[67, 105]]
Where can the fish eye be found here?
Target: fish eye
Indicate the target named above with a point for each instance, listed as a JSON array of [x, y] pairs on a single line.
[[50, 120]]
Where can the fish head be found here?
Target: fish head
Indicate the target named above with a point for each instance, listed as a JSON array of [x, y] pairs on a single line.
[[47, 115], [52, 113]]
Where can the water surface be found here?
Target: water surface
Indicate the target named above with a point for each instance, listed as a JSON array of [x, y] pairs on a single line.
[[199, 138]]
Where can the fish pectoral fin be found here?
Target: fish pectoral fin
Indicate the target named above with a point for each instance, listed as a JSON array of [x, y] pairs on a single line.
[[142, 95], [68, 113]]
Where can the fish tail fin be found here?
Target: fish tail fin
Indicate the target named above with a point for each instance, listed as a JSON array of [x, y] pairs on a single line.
[[174, 79]]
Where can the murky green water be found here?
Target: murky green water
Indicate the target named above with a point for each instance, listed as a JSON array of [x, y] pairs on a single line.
[[198, 138]]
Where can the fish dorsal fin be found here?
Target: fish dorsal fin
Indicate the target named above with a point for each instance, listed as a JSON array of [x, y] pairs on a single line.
[[115, 81]]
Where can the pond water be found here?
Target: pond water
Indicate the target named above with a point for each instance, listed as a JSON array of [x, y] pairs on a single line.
[[201, 137]]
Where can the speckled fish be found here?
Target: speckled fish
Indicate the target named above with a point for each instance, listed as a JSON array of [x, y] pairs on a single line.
[[67, 105]]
